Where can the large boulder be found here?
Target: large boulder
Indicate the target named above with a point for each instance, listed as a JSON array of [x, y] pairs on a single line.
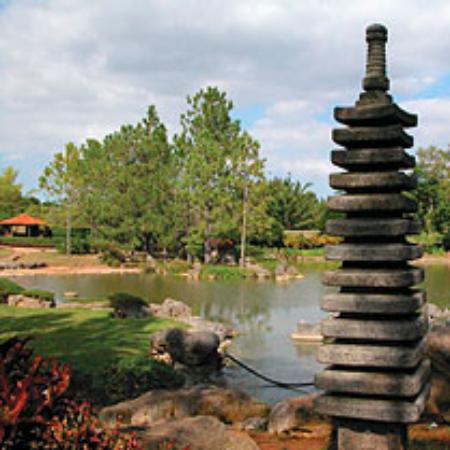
[[190, 348], [171, 309], [22, 301], [438, 350], [196, 433], [157, 406], [291, 414]]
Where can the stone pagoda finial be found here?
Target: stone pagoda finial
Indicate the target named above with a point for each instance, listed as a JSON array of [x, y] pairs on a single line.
[[376, 79]]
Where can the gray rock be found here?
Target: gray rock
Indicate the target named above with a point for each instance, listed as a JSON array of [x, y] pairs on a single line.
[[22, 301], [172, 309], [191, 348], [196, 433], [157, 406], [291, 414]]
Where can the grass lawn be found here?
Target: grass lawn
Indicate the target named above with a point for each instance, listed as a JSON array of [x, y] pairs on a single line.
[[88, 340]]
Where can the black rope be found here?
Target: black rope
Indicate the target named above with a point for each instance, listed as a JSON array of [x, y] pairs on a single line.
[[265, 378]]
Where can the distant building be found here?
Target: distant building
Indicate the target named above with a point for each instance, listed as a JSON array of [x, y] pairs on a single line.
[[24, 225]]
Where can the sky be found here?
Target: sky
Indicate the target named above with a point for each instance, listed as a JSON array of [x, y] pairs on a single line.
[[77, 69]]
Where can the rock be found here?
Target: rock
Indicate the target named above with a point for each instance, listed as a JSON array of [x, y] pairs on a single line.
[[280, 270], [22, 301], [196, 433], [154, 407], [307, 332], [172, 309], [292, 272], [252, 424], [438, 350], [191, 348], [83, 305], [292, 413]]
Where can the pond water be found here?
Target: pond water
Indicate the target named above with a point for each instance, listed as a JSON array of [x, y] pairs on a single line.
[[264, 313]]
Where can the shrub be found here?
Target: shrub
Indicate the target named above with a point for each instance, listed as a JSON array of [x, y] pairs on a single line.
[[131, 377], [222, 272], [24, 241], [8, 287], [40, 294], [126, 305], [34, 411]]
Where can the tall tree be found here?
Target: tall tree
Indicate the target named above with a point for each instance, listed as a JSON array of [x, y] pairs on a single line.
[[10, 193], [248, 175], [61, 180], [206, 144]]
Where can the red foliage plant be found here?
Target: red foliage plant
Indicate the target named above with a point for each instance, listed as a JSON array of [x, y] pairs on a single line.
[[35, 413]]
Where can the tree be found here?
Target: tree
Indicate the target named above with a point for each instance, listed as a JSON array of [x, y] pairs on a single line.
[[206, 144], [433, 188], [62, 181], [128, 185], [10, 193], [248, 175], [291, 204]]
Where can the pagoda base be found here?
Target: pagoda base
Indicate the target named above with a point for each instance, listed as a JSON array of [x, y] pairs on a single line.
[[364, 435]]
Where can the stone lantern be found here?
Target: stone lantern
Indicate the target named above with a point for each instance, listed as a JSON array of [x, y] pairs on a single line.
[[376, 379]]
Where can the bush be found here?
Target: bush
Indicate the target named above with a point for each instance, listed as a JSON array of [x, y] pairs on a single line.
[[20, 241], [8, 287], [40, 294], [306, 239], [131, 377], [78, 246], [34, 411], [110, 254], [430, 242], [222, 272], [126, 305]]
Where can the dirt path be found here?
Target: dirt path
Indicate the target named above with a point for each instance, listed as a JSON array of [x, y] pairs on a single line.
[[58, 263]]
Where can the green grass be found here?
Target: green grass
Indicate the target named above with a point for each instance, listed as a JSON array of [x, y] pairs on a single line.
[[223, 272], [88, 340]]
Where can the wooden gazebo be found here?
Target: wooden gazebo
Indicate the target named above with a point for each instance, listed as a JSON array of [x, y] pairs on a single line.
[[24, 225]]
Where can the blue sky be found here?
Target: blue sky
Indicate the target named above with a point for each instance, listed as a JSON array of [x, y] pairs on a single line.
[[73, 69]]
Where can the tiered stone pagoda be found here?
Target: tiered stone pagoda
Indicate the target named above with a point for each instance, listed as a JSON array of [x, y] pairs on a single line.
[[376, 379]]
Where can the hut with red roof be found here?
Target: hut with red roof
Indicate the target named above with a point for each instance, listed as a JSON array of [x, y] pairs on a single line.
[[24, 225]]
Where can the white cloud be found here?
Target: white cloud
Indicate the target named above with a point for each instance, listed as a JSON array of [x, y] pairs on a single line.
[[70, 69]]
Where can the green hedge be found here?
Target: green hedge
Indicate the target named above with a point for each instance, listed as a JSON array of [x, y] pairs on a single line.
[[8, 287], [29, 241], [39, 293]]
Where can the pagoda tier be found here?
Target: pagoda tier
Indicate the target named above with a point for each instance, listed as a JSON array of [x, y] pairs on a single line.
[[374, 342]]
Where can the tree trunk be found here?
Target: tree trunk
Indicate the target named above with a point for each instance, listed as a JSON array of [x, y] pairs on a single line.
[[68, 232], [207, 244], [244, 226]]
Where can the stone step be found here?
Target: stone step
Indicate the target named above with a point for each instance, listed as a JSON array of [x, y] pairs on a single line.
[[373, 303], [398, 384], [393, 158], [394, 411], [371, 202], [385, 136], [375, 330], [372, 227], [389, 114], [379, 278], [372, 180], [373, 252], [355, 355]]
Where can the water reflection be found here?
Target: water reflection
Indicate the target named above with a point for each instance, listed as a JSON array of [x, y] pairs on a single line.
[[265, 313]]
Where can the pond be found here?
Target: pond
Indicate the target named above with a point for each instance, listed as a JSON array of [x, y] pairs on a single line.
[[264, 313]]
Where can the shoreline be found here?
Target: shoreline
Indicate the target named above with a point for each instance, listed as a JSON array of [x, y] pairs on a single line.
[[70, 270]]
